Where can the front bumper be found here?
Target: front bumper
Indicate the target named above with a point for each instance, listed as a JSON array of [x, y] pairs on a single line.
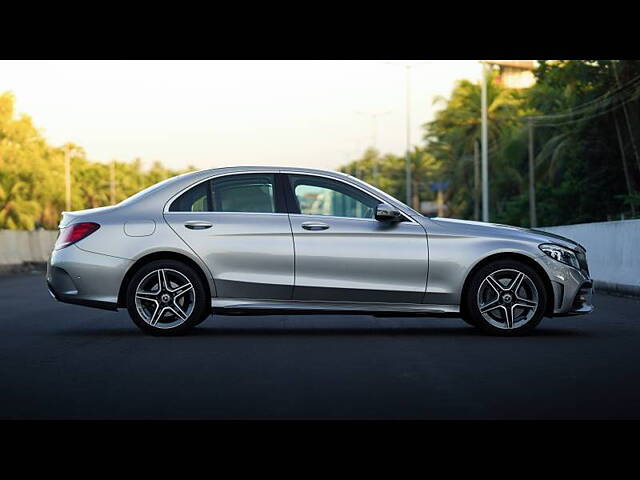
[[85, 278], [572, 289], [582, 302]]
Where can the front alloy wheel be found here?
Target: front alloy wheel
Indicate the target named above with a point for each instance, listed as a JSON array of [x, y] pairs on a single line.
[[166, 297], [506, 298]]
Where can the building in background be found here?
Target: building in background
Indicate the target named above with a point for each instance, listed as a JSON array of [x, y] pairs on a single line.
[[514, 73]]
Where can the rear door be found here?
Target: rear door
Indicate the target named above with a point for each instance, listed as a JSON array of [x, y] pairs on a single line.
[[238, 225], [342, 253]]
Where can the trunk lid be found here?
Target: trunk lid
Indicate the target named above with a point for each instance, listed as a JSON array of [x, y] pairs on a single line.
[[90, 214]]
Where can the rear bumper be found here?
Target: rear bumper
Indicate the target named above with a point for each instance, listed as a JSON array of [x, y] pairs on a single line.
[[75, 300], [85, 278]]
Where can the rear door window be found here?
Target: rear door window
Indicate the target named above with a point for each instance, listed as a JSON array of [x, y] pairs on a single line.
[[250, 193], [193, 200]]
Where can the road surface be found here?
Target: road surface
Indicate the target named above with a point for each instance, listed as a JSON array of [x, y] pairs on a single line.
[[66, 361]]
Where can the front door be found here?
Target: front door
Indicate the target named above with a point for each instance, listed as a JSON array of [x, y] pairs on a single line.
[[238, 225], [342, 253]]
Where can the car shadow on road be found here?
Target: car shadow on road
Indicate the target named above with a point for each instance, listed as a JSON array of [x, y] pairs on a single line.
[[462, 331], [426, 331]]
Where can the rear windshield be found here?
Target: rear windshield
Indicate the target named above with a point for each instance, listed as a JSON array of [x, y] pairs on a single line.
[[150, 189]]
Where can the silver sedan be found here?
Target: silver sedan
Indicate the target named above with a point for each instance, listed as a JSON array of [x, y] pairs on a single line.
[[264, 240]]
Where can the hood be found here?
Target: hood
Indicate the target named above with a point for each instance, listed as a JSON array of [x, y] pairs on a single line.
[[498, 230]]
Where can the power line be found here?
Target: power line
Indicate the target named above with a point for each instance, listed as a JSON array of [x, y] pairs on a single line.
[[609, 109], [599, 106], [594, 104], [588, 105]]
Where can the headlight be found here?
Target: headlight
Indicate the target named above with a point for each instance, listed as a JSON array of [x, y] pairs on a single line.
[[561, 254]]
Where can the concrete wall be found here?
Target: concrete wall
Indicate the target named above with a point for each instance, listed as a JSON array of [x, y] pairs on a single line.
[[17, 246], [613, 253]]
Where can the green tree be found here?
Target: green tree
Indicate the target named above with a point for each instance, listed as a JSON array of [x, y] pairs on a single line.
[[32, 185]]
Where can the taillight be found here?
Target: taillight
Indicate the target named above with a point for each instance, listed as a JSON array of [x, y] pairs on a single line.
[[74, 233]]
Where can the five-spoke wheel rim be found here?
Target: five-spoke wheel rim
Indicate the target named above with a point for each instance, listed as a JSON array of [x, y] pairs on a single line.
[[165, 298], [507, 299]]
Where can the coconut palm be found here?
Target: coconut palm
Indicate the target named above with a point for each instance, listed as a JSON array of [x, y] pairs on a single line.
[[451, 135]]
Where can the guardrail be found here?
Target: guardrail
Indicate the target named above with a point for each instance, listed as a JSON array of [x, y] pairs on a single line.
[[613, 251]]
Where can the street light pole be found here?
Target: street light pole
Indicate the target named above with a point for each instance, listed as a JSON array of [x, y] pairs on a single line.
[[476, 180], [407, 162], [374, 139], [408, 152], [485, 149], [533, 220], [67, 177], [112, 182]]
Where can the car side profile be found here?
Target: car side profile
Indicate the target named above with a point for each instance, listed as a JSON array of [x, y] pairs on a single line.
[[244, 240]]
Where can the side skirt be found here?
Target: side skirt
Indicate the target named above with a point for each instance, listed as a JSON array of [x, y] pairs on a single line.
[[245, 306]]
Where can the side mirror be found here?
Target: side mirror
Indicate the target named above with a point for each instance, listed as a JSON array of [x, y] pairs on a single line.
[[387, 213]]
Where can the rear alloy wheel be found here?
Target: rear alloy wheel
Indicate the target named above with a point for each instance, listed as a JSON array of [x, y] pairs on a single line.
[[166, 297], [506, 298]]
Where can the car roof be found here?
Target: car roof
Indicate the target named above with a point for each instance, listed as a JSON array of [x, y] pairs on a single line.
[[250, 168], [172, 185]]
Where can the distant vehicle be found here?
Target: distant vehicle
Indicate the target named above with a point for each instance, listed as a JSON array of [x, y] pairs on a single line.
[[267, 240]]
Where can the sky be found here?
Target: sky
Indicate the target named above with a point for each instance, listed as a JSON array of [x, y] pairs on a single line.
[[219, 113]]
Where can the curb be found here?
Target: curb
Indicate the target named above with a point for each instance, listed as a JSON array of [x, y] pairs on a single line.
[[25, 267], [617, 289]]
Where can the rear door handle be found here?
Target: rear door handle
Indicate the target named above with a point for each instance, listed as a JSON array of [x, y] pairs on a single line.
[[196, 225], [315, 226]]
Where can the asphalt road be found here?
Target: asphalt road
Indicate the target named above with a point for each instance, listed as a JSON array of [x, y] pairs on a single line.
[[66, 361]]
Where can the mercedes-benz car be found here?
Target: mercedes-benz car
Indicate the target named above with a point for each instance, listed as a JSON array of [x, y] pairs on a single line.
[[245, 240]]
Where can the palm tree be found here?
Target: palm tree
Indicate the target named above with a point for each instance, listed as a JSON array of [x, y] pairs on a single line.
[[451, 135]]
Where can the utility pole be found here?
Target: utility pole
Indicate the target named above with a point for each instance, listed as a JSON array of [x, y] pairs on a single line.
[[624, 161], [533, 220], [485, 149], [407, 161], [626, 116], [112, 182], [67, 177], [476, 180]]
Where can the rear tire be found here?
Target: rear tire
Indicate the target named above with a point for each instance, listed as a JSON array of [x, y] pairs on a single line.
[[506, 298], [166, 297]]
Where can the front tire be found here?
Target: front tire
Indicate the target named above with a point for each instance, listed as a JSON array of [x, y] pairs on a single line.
[[506, 298], [166, 297]]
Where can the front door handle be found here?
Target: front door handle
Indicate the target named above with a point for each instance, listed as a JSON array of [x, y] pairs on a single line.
[[196, 225], [315, 226]]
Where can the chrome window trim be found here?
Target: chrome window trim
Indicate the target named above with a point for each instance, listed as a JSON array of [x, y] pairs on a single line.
[[224, 213], [167, 205], [319, 217], [169, 202], [331, 216], [287, 172]]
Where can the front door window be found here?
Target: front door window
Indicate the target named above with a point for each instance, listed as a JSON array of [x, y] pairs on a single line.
[[323, 196]]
